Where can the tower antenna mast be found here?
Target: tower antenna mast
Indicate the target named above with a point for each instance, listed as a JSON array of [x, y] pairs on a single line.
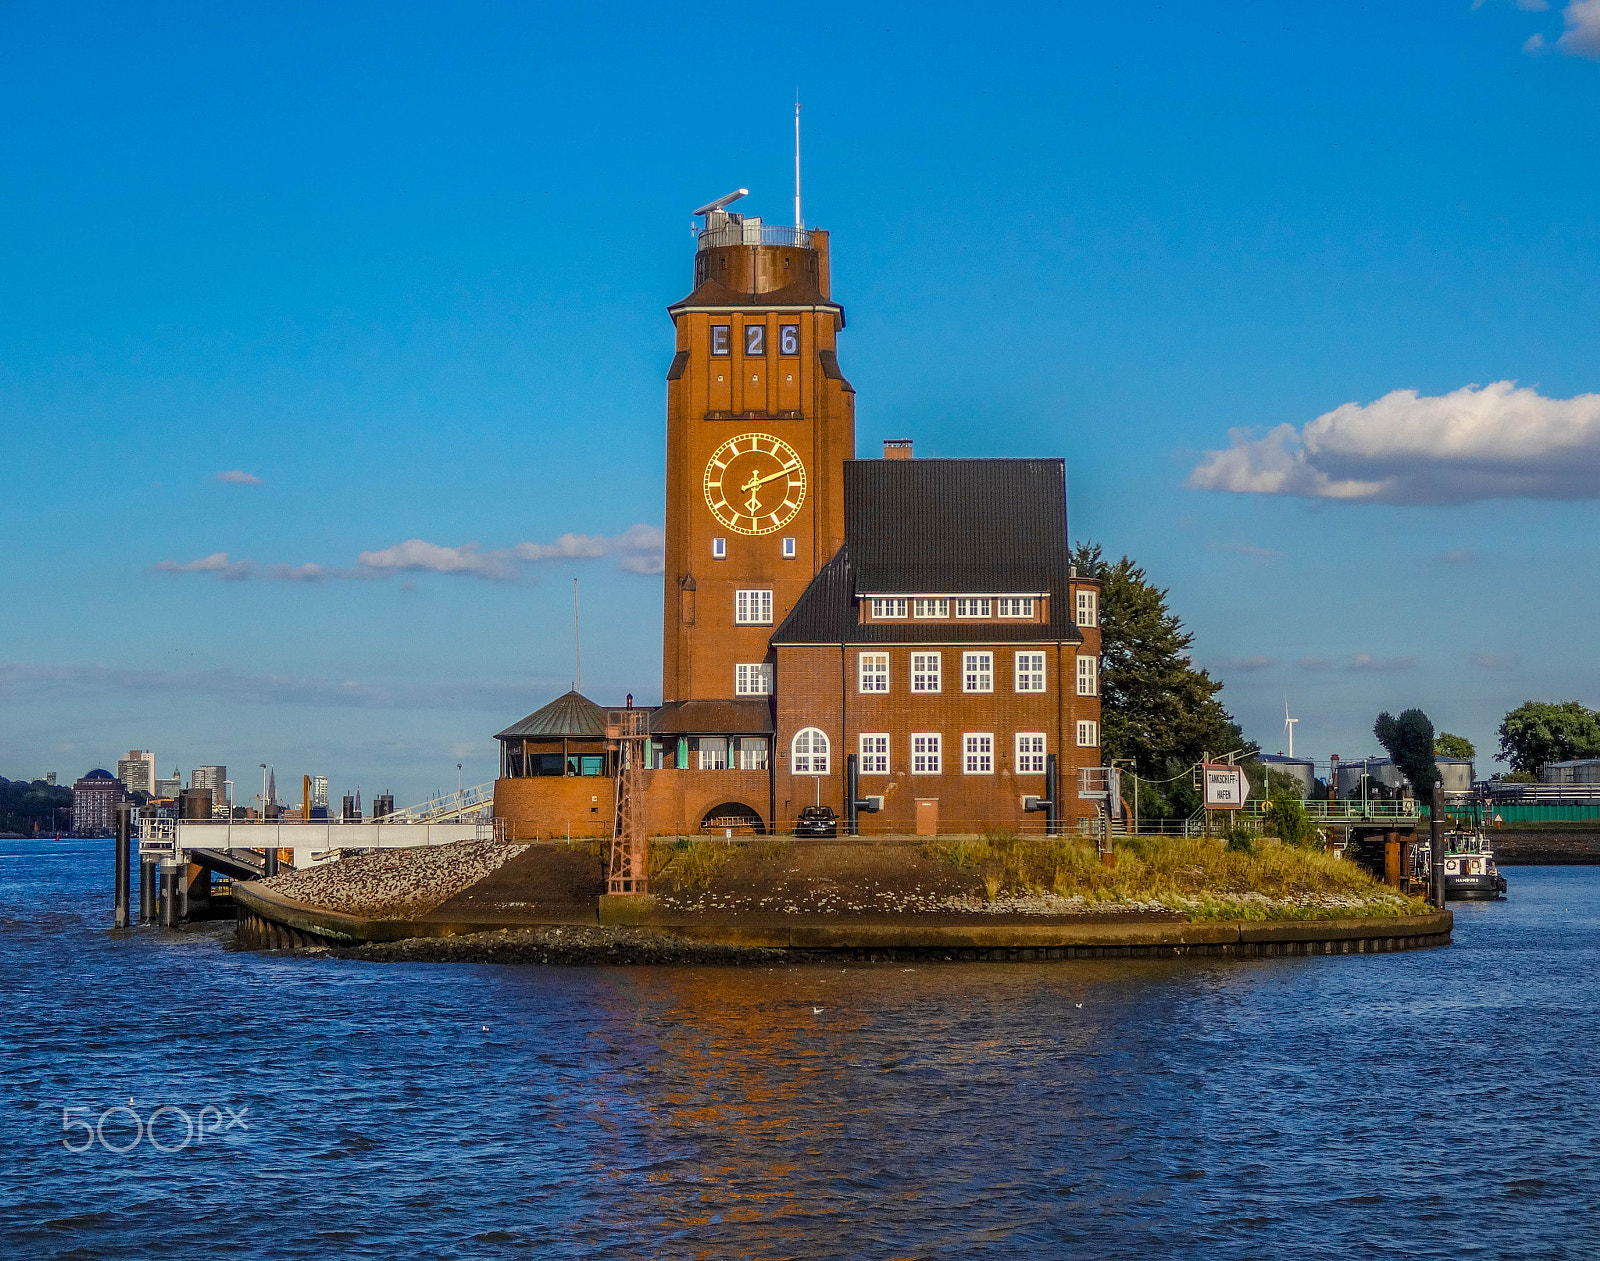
[[577, 643], [798, 221]]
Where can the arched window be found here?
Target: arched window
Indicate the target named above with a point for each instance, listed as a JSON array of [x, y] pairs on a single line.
[[808, 753]]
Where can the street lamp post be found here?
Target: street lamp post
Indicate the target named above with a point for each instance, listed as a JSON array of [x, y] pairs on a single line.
[[461, 800]]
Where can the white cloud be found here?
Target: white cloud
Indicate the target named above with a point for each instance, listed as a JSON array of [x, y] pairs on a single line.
[[418, 555], [1248, 664], [21, 677], [638, 550], [1493, 442], [238, 477], [1360, 663], [1364, 663], [216, 563], [1581, 34], [1458, 557]]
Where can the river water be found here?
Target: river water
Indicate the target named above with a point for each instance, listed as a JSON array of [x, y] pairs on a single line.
[[1437, 1103]]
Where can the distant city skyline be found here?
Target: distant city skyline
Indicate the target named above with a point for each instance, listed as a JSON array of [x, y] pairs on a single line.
[[1306, 304]]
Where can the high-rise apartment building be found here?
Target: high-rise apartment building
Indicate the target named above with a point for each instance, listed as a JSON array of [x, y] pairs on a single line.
[[319, 791], [216, 779], [94, 802], [137, 771]]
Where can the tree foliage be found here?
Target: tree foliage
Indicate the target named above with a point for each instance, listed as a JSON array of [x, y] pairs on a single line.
[[1408, 740], [1447, 745], [1537, 732], [1288, 817], [1156, 706], [24, 803]]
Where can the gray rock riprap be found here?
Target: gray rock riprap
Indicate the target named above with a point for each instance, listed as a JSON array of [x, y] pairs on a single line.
[[395, 883], [562, 944]]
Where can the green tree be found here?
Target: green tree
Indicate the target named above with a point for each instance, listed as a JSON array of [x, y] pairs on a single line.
[[1288, 816], [1447, 745], [1156, 706], [1537, 732], [1408, 740]]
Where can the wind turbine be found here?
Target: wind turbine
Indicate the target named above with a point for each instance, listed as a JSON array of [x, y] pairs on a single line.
[[1288, 725]]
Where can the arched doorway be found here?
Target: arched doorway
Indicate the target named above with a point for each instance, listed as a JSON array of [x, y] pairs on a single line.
[[741, 819]]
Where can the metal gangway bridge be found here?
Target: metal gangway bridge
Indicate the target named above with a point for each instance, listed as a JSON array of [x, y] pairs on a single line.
[[245, 849]]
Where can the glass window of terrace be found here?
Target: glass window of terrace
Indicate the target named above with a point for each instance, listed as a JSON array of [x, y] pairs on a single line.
[[534, 758]]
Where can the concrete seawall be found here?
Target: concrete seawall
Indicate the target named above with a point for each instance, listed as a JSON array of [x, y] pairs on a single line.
[[269, 921]]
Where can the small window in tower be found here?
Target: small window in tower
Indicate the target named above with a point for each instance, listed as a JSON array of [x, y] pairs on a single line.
[[788, 339], [755, 339], [719, 548], [719, 339], [788, 549]]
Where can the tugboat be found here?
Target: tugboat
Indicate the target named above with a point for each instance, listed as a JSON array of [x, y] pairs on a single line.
[[1470, 873]]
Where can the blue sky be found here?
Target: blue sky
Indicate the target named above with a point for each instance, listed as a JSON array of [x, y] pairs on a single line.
[[403, 269]]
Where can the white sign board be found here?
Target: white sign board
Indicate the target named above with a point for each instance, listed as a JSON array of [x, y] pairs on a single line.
[[1225, 787]]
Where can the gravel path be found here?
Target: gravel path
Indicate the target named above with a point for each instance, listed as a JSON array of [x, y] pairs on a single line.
[[395, 883]]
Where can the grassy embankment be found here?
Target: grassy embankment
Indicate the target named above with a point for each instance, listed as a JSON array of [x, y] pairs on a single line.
[[1196, 876]]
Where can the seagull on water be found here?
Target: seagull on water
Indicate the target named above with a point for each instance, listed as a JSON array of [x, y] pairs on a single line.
[[816, 1011]]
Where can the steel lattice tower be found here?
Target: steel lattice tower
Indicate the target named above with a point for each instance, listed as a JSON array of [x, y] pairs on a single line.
[[629, 732]]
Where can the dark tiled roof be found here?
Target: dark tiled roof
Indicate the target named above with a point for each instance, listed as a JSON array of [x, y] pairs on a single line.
[[746, 715], [942, 527], [716, 295], [571, 715]]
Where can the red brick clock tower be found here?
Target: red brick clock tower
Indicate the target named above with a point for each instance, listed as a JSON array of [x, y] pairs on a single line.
[[759, 423]]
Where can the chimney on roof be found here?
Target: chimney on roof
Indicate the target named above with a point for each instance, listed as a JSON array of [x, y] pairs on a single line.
[[897, 448]]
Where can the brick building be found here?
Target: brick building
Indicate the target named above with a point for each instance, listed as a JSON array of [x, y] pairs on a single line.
[[909, 629], [94, 802]]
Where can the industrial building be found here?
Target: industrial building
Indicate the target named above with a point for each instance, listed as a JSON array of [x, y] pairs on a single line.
[[910, 629]]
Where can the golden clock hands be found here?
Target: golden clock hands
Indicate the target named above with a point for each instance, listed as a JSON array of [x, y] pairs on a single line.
[[770, 477]]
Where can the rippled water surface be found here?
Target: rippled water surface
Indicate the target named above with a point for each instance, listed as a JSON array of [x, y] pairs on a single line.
[[1438, 1103]]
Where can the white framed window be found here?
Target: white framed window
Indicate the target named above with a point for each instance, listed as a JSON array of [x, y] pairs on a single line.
[[713, 755], [874, 672], [925, 671], [1088, 734], [1088, 607], [754, 679], [875, 754], [888, 607], [977, 672], [1030, 753], [1016, 606], [719, 549], [1088, 675], [930, 608], [1030, 672], [752, 753], [926, 753], [972, 606], [788, 549], [752, 608], [977, 753], [808, 752]]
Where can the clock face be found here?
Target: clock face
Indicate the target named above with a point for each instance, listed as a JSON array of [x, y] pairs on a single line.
[[755, 483]]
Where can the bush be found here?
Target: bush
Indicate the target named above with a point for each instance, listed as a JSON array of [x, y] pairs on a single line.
[[1241, 841], [1286, 814]]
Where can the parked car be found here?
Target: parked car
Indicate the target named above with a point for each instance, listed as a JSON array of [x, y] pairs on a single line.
[[817, 821]]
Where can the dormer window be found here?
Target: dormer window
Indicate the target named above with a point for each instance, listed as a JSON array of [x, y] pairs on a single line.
[[972, 606], [887, 608], [1016, 606], [930, 608]]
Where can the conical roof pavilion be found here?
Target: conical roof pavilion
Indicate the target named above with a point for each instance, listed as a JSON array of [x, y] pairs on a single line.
[[573, 715]]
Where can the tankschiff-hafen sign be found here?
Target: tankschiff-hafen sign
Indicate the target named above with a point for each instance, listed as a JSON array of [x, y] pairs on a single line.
[[1225, 787]]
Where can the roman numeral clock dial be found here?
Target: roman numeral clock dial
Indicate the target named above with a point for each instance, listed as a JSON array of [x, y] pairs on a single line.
[[755, 483]]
